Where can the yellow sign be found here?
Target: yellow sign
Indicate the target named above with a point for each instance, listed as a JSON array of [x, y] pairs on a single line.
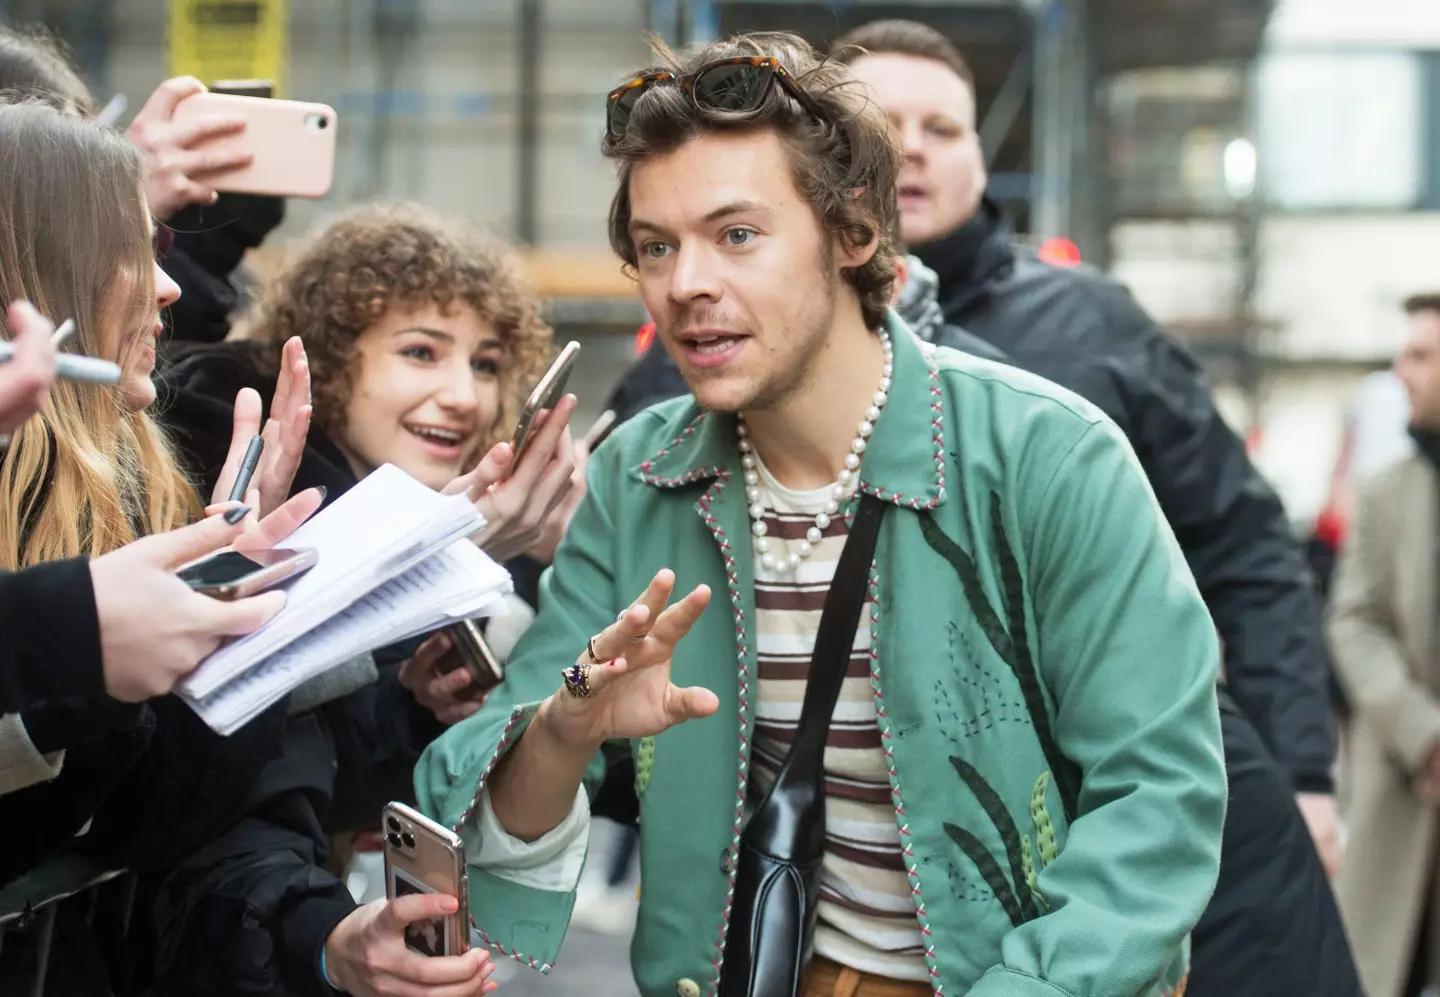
[[228, 40]]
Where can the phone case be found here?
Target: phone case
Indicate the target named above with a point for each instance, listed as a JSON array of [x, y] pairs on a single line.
[[471, 652], [421, 856], [293, 144]]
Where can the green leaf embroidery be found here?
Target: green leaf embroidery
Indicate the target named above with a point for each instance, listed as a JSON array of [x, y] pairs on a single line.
[[1012, 645], [1044, 828], [989, 869], [999, 815], [644, 761], [1031, 879]]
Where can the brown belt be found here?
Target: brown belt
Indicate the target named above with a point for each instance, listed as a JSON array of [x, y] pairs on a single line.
[[830, 979]]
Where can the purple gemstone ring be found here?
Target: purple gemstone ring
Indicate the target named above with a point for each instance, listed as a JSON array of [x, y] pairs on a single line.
[[577, 680]]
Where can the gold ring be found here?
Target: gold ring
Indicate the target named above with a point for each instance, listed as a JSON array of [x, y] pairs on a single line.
[[590, 650], [577, 680]]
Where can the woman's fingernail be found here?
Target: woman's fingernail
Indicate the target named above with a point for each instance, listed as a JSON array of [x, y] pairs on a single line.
[[236, 514]]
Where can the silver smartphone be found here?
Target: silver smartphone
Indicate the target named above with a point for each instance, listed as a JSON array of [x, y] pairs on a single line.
[[546, 396]]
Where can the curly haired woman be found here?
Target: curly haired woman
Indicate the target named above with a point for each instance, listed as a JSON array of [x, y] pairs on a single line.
[[422, 337]]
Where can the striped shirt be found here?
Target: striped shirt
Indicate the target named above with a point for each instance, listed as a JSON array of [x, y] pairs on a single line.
[[866, 914]]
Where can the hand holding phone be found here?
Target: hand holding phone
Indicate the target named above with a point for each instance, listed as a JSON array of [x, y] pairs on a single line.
[[284, 148], [421, 856]]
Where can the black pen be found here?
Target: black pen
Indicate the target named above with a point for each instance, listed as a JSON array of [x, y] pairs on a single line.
[[247, 469]]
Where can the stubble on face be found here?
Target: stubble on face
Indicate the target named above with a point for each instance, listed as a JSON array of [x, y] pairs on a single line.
[[777, 293]]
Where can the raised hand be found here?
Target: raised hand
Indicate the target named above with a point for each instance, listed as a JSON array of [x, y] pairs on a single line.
[[176, 170], [284, 434], [630, 692], [517, 502]]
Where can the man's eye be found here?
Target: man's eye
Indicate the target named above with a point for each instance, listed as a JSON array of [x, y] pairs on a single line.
[[654, 250], [739, 236]]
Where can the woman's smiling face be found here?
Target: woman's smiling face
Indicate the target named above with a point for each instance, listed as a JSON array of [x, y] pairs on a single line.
[[424, 394]]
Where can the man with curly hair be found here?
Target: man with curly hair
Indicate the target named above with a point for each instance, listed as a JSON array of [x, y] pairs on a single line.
[[1004, 792]]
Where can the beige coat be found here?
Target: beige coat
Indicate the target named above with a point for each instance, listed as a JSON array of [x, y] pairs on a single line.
[[1382, 630]]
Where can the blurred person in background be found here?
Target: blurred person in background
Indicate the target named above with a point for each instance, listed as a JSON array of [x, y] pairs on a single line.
[[1382, 629], [1272, 926], [423, 338]]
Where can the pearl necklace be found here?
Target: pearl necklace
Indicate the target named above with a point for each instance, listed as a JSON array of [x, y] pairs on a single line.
[[843, 488]]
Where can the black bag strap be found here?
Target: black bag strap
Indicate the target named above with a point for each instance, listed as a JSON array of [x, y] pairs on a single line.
[[834, 647]]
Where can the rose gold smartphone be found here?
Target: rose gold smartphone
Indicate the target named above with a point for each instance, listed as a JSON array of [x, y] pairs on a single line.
[[232, 575], [546, 396], [293, 144], [472, 653], [423, 857]]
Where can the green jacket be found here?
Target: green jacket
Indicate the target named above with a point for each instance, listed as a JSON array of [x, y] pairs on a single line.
[[1044, 674]]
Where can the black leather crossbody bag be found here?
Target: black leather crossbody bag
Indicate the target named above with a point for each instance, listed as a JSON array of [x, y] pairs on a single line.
[[777, 884]]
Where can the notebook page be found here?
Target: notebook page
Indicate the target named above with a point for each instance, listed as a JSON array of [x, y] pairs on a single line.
[[447, 587], [384, 525]]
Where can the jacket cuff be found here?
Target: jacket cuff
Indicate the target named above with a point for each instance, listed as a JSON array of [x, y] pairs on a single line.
[[1318, 783], [307, 928], [49, 612]]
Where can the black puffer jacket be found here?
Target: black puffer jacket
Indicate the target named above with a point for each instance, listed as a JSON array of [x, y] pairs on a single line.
[[1085, 332]]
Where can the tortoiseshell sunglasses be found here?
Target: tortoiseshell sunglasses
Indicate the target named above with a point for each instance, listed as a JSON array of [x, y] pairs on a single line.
[[733, 86]]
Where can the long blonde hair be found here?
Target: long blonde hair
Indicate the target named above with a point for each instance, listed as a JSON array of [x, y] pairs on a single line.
[[87, 475]]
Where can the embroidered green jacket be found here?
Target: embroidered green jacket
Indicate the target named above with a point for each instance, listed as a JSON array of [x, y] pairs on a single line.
[[1043, 669]]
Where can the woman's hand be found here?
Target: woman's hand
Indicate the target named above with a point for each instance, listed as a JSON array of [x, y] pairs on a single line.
[[366, 955], [284, 433], [517, 506], [448, 695], [263, 533], [177, 162], [559, 519]]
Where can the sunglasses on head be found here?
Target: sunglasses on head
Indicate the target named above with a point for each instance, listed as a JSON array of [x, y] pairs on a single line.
[[161, 240], [735, 86]]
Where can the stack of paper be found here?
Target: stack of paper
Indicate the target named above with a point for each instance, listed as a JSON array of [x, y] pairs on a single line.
[[393, 563]]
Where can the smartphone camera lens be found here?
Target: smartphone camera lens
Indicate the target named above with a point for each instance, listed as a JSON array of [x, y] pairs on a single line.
[[409, 839], [317, 122], [394, 839], [393, 824]]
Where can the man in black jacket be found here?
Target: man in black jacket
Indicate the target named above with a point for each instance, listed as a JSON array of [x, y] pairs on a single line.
[[1272, 926]]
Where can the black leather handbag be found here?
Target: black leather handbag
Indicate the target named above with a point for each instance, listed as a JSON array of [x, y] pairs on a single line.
[[777, 884]]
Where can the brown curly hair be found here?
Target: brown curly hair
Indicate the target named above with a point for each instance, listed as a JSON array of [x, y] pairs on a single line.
[[845, 165], [374, 258]]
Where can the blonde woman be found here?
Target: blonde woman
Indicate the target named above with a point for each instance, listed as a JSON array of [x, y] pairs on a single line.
[[92, 473]]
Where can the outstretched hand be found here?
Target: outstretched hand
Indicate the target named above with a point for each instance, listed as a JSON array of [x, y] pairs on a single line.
[[284, 433], [631, 692]]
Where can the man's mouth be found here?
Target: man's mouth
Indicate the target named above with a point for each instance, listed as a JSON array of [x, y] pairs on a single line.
[[706, 345]]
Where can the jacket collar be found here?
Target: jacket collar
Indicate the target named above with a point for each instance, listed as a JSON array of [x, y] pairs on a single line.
[[969, 258], [903, 464]]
